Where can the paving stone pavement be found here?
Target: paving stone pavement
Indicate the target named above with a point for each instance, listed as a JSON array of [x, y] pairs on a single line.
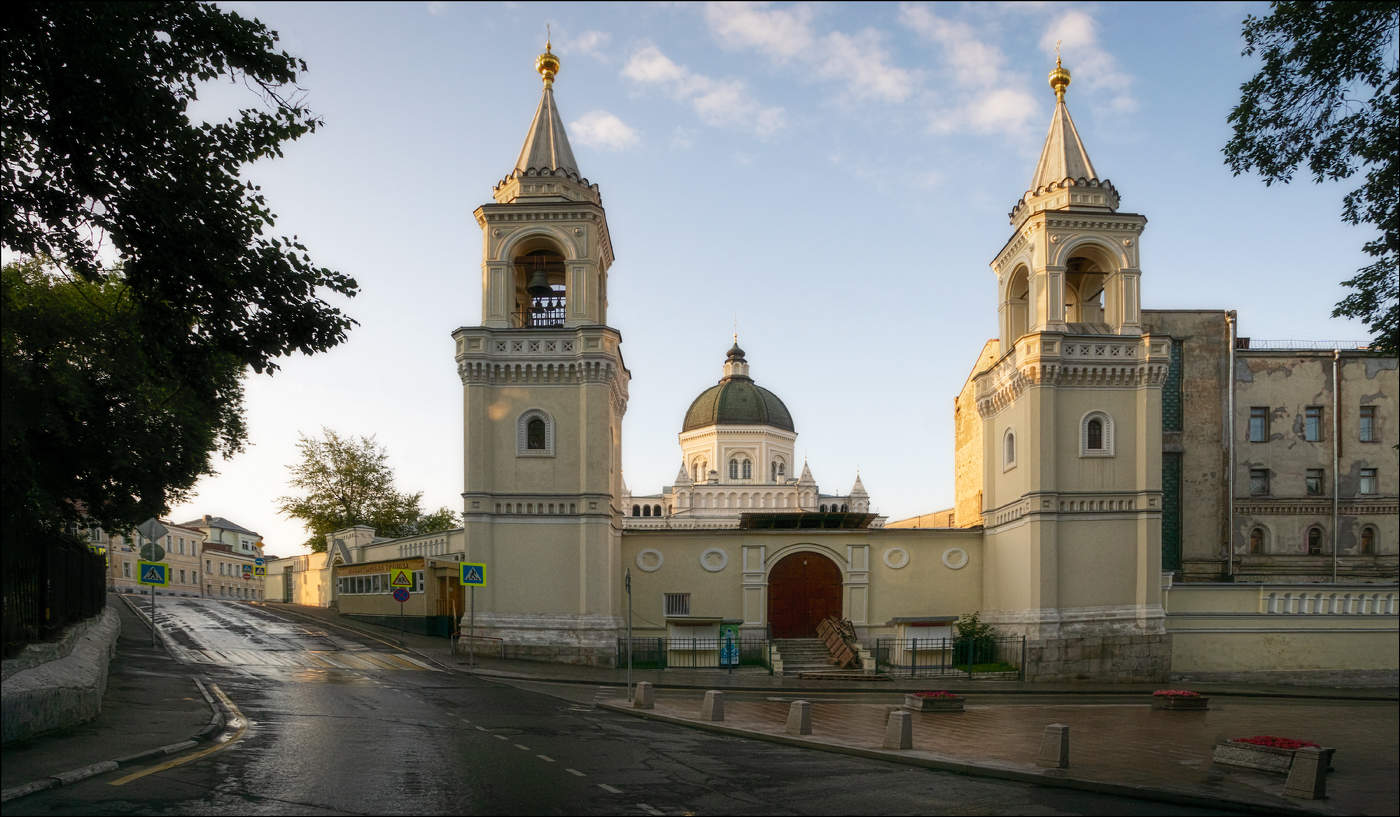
[[1116, 741]]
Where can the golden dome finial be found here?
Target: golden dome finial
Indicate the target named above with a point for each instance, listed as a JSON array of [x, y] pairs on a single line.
[[547, 64], [1059, 78]]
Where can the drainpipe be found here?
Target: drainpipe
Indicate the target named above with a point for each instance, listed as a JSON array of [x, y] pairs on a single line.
[[1230, 453], [1336, 450]]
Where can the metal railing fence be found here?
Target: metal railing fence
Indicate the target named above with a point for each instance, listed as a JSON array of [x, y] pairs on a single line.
[[48, 584], [1002, 656], [692, 653]]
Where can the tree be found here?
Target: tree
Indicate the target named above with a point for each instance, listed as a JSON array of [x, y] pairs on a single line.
[[1328, 95], [102, 160], [347, 481]]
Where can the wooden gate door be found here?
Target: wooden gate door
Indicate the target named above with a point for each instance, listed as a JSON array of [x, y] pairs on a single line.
[[803, 589]]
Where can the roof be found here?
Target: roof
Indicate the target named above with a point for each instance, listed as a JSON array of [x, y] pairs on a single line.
[[737, 401], [546, 144], [218, 522], [1063, 156]]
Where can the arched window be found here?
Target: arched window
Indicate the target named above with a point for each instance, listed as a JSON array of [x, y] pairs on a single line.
[[1256, 540], [1314, 541], [1368, 541], [636, 510], [748, 470], [535, 434], [1096, 435], [1017, 307], [656, 510], [646, 510], [823, 509], [773, 472], [733, 469], [845, 508], [1009, 449]]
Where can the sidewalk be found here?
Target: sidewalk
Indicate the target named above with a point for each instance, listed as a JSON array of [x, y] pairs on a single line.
[[1118, 743], [151, 703]]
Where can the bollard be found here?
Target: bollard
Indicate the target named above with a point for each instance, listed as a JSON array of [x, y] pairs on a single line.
[[799, 720], [643, 696], [713, 707], [1307, 777], [1054, 747], [899, 730]]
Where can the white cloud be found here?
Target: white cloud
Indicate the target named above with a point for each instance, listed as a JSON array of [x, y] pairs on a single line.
[[858, 61], [589, 44], [718, 102], [1087, 60], [601, 129]]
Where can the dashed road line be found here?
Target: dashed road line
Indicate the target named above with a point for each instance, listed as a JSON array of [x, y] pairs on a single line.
[[500, 737], [649, 809], [605, 787], [545, 758], [575, 772], [481, 729], [522, 747]]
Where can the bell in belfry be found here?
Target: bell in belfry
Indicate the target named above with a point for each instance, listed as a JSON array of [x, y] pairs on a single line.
[[538, 286]]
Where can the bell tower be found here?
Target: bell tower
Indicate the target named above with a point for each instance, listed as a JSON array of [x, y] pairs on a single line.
[[544, 392], [1071, 427]]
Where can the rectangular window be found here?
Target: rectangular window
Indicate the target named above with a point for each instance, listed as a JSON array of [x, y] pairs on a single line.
[[1259, 424], [1312, 423], [677, 604], [207, 567], [417, 581], [194, 577], [1258, 482], [126, 569], [182, 577], [1313, 481], [1368, 481], [1368, 424]]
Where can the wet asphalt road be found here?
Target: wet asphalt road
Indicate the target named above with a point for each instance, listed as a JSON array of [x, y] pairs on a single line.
[[396, 736]]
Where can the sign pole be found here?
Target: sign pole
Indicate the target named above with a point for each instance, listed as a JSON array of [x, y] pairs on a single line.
[[400, 624], [153, 615], [471, 631]]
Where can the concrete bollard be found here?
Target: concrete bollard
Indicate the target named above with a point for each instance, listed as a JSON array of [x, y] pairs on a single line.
[[1307, 777], [643, 695], [1054, 747], [899, 730], [799, 720], [713, 707]]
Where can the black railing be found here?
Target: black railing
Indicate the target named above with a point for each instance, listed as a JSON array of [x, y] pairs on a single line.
[[998, 656], [543, 313], [692, 653], [49, 583]]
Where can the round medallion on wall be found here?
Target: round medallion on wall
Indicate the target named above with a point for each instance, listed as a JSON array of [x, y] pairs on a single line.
[[649, 560], [955, 558], [895, 558], [714, 560]]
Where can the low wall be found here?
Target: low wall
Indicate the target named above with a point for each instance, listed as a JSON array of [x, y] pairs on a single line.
[[1329, 634], [59, 684]]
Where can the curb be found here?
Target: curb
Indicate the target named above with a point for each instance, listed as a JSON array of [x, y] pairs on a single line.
[[1051, 779], [68, 778]]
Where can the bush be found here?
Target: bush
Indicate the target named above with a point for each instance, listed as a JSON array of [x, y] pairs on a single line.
[[975, 643]]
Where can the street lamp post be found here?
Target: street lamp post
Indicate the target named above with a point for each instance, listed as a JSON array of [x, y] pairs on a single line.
[[627, 583]]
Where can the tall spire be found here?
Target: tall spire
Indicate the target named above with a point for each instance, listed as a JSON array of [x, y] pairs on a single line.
[[546, 145], [1064, 163]]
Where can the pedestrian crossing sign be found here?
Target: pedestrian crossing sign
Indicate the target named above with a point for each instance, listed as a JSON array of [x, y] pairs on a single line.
[[259, 570], [473, 574], [400, 578], [153, 573]]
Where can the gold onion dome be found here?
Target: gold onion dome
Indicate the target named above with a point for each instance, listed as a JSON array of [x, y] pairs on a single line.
[[1059, 79], [548, 65]]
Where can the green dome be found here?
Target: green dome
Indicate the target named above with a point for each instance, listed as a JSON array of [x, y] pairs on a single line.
[[737, 400]]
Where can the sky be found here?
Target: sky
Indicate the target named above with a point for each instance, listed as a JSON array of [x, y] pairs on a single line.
[[834, 179]]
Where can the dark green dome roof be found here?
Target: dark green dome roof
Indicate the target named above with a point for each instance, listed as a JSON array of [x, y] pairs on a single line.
[[737, 400]]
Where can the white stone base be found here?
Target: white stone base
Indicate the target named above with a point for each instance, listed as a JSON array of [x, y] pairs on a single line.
[[556, 637], [1112, 643]]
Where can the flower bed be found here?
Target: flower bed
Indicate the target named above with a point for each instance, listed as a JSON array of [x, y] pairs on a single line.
[[1266, 753], [934, 701], [1179, 699]]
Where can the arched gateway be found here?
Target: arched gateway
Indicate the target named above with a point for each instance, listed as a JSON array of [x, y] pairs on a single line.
[[803, 589]]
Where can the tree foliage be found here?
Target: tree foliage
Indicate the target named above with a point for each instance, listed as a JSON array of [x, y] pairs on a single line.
[[1328, 96], [103, 161], [345, 481]]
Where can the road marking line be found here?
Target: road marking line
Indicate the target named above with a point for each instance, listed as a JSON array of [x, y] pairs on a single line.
[[481, 729], [522, 747], [575, 772], [237, 720], [605, 787], [500, 737], [649, 809], [545, 758]]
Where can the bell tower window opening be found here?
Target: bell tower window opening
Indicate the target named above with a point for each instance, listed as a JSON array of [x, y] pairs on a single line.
[[1017, 306], [1084, 292], [540, 290]]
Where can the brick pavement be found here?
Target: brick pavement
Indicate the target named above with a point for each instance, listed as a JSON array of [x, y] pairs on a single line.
[[1116, 742]]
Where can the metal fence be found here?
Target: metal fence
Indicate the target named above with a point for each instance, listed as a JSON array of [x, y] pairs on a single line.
[[998, 656], [48, 584], [692, 653]]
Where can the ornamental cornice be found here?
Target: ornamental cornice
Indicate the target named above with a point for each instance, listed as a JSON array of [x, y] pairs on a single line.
[[1312, 507], [1048, 359]]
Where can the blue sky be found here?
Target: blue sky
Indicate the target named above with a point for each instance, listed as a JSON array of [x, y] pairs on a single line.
[[834, 177]]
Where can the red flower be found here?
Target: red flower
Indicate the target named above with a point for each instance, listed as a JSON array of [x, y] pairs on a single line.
[[941, 693], [1177, 693], [1274, 742]]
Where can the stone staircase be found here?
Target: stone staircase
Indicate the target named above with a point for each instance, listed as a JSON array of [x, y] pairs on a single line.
[[809, 658]]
